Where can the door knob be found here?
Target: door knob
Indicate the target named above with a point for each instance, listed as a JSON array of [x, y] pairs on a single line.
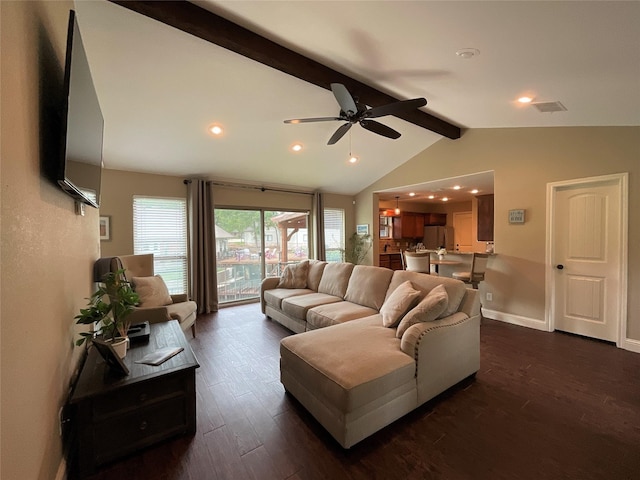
[[559, 266]]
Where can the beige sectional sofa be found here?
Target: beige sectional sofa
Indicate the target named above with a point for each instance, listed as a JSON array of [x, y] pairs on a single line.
[[358, 375]]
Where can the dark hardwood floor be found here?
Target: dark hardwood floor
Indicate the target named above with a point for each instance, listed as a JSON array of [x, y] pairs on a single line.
[[542, 406]]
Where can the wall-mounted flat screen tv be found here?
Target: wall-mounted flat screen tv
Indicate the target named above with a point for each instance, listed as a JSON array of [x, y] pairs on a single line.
[[79, 168]]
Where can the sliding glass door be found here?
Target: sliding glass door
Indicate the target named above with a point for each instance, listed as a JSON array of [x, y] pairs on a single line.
[[252, 244]]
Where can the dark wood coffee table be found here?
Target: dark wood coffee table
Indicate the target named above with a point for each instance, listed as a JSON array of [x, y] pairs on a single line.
[[113, 416]]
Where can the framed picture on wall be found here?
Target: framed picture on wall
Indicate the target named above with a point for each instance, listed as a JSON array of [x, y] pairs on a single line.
[[362, 229], [105, 227]]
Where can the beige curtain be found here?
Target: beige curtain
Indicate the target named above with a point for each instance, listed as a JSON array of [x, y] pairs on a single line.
[[317, 213], [202, 243]]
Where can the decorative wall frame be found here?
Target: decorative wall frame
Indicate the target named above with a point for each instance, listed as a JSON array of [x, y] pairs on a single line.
[[362, 229], [105, 227], [516, 216]]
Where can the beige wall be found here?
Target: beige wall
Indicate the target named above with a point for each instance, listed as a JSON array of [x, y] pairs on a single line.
[[119, 187], [47, 250], [524, 161]]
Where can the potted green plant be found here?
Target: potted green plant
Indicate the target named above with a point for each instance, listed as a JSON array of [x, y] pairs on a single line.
[[357, 248], [109, 306]]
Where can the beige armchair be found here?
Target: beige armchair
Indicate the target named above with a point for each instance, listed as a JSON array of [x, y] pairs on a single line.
[[181, 308]]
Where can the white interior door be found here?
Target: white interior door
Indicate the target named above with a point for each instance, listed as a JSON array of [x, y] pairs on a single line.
[[462, 231], [586, 243]]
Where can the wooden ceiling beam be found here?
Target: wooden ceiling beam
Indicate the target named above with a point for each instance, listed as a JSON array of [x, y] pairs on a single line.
[[213, 28]]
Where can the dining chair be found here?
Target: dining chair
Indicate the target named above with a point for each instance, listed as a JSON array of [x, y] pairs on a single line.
[[478, 268], [417, 261]]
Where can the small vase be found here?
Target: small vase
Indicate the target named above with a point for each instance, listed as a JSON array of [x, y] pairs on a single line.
[[120, 345]]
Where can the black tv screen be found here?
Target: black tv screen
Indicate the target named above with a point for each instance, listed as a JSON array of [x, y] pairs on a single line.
[[79, 170]]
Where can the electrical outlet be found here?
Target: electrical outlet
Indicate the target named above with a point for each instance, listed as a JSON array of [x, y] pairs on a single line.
[[489, 296]]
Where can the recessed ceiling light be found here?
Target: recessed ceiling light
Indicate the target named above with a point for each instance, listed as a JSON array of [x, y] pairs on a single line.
[[445, 199], [215, 130], [525, 99], [296, 147], [353, 159], [457, 187], [475, 190], [412, 194], [468, 53], [431, 197]]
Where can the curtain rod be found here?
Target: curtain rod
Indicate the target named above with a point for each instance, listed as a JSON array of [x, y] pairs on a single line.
[[253, 187]]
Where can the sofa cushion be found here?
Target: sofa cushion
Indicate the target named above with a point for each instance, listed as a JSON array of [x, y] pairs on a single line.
[[398, 304], [294, 275], [153, 292], [456, 289], [316, 268], [368, 286], [274, 296], [298, 305], [350, 364], [428, 310], [335, 279], [335, 313]]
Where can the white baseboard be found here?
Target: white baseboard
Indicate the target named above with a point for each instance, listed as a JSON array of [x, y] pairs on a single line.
[[515, 319], [626, 343], [631, 345]]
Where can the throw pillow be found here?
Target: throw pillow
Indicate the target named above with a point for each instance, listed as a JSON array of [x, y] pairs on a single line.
[[429, 309], [294, 275], [399, 302], [153, 292]]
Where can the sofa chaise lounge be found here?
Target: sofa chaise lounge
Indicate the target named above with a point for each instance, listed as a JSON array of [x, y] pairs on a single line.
[[373, 343]]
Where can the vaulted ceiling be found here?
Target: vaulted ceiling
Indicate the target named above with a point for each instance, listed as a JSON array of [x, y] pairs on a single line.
[[160, 87]]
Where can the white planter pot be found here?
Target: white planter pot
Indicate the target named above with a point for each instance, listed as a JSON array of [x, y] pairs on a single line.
[[120, 345]]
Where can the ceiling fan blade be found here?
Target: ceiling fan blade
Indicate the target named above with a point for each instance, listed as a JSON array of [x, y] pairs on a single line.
[[308, 120], [395, 107], [344, 98], [380, 129], [339, 133]]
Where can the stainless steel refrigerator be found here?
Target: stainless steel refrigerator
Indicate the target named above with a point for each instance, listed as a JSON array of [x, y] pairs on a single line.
[[436, 237]]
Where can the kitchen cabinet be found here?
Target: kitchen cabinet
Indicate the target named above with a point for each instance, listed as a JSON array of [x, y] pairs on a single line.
[[485, 218], [408, 225], [391, 260], [435, 219]]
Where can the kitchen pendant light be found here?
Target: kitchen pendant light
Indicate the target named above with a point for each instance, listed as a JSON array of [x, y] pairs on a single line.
[[397, 210]]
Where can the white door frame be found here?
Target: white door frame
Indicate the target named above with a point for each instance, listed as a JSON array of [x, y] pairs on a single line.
[[622, 180]]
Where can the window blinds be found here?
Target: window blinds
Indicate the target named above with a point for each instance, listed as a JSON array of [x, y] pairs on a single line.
[[160, 227]]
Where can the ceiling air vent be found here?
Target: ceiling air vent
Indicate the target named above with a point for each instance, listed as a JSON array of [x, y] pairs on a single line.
[[549, 107]]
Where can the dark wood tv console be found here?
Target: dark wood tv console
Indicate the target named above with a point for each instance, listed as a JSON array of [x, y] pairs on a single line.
[[113, 416]]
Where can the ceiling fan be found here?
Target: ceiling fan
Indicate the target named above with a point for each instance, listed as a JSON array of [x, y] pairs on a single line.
[[353, 112]]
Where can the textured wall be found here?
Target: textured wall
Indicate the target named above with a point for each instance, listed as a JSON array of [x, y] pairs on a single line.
[[47, 250]]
